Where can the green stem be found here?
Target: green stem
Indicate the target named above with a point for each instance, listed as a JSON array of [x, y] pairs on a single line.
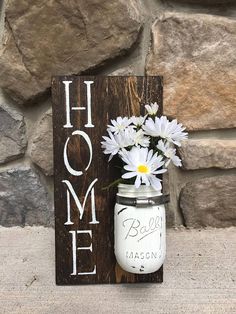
[[116, 182]]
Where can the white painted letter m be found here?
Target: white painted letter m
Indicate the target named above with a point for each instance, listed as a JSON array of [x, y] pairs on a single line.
[[71, 192]]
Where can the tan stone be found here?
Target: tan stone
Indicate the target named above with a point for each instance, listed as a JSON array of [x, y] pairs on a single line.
[[62, 37], [209, 202], [128, 70], [15, 79], [196, 55], [206, 2], [42, 146], [208, 153]]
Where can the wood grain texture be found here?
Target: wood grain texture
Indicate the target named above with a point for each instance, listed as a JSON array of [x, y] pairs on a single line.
[[111, 97]]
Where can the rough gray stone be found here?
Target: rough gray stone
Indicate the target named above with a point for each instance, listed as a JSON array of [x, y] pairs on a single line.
[[23, 199], [13, 141], [62, 37], [208, 153], [196, 55], [42, 146], [210, 202]]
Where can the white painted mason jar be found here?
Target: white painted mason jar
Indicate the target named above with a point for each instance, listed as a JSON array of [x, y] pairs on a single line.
[[140, 228]]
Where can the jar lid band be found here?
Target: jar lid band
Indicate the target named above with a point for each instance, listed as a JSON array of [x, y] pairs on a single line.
[[143, 201]]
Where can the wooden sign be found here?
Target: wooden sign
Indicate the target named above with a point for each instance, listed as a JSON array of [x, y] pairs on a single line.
[[82, 108]]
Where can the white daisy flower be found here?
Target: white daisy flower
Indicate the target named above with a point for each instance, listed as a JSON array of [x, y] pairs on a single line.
[[119, 125], [138, 121], [142, 164], [169, 130], [115, 142], [169, 153], [177, 134], [152, 108], [139, 138]]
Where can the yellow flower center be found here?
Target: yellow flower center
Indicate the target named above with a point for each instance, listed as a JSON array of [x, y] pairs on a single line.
[[143, 169]]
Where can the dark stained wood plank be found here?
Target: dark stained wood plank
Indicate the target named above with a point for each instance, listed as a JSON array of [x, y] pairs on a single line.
[[111, 97]]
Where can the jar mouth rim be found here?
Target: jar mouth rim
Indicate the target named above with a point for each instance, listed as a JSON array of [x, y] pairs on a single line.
[[141, 188], [132, 185]]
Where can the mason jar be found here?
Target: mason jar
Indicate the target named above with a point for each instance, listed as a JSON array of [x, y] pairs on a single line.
[[140, 228]]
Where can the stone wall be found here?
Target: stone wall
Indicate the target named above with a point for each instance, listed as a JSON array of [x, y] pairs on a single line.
[[191, 43]]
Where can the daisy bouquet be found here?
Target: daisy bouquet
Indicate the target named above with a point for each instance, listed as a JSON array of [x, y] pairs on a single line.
[[145, 145]]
